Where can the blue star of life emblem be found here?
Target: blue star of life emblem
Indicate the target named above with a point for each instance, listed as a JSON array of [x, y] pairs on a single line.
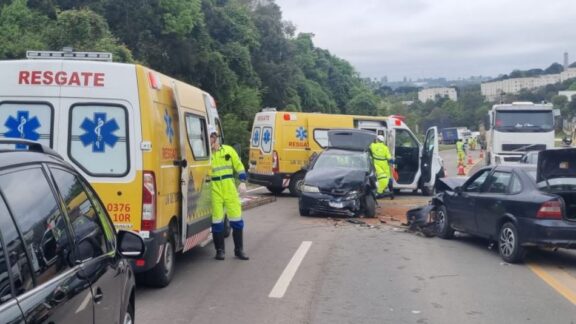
[[99, 132], [22, 127], [256, 137], [266, 137], [169, 129], [301, 133]]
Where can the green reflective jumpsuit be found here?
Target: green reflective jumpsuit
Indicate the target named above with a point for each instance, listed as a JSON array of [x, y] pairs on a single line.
[[460, 151], [225, 199], [381, 155]]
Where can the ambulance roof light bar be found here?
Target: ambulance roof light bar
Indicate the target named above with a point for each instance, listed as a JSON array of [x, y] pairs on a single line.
[[69, 54]]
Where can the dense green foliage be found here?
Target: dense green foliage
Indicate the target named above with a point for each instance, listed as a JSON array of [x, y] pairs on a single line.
[[240, 51]]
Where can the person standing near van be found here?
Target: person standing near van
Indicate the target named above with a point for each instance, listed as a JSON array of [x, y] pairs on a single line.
[[381, 156], [460, 151], [225, 198]]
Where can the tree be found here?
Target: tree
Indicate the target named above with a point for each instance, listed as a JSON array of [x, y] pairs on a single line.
[[85, 30], [21, 29]]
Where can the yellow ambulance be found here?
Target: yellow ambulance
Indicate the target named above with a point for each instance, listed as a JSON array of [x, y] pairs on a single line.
[[282, 144], [138, 136]]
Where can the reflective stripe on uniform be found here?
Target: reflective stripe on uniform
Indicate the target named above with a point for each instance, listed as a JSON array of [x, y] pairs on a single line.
[[226, 176]]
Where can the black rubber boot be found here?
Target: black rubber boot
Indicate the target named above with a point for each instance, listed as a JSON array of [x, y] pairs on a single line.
[[218, 239], [238, 245]]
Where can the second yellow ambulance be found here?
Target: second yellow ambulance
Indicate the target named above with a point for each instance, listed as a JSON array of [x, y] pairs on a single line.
[[283, 142]]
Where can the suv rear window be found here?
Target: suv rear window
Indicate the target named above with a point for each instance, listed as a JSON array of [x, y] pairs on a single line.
[[98, 140]]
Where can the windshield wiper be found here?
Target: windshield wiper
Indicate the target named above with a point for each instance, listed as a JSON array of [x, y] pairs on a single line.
[[524, 148]]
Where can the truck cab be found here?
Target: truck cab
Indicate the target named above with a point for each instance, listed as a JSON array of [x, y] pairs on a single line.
[[513, 129]]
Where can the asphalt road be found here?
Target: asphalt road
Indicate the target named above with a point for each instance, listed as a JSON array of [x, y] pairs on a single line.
[[347, 273]]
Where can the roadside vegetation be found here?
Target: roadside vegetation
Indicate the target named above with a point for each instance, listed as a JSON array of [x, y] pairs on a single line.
[[240, 51]]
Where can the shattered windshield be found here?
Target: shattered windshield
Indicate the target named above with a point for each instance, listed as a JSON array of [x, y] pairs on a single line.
[[343, 159]]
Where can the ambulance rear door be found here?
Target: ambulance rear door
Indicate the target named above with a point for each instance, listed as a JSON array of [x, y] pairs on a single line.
[[430, 165], [194, 163], [262, 141]]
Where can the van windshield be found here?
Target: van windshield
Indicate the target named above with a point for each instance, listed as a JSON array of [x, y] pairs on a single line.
[[524, 121]]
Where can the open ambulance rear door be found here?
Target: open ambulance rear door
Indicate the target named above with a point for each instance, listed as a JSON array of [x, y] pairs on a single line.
[[430, 161]]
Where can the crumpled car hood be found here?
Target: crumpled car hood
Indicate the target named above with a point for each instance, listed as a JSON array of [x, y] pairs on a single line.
[[335, 178], [444, 184]]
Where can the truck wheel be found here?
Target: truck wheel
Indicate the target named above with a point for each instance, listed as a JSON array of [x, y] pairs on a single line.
[[296, 182], [275, 190], [369, 206], [161, 275]]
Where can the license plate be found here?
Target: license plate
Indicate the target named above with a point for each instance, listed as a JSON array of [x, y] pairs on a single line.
[[336, 204]]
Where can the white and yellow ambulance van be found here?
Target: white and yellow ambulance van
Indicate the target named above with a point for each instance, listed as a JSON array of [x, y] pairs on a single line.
[[282, 144], [138, 136]]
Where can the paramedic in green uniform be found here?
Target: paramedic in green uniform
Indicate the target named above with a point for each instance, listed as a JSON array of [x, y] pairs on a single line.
[[381, 156], [225, 198], [460, 151]]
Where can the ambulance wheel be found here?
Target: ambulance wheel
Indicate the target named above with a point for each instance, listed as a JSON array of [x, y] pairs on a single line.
[[296, 182], [275, 190], [161, 275]]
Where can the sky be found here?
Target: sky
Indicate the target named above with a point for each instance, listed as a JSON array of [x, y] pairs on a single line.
[[439, 38]]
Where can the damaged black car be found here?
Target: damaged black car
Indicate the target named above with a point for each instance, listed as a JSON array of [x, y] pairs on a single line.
[[341, 180], [517, 207]]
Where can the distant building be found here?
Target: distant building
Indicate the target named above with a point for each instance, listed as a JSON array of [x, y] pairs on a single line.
[[431, 93], [493, 90], [568, 94]]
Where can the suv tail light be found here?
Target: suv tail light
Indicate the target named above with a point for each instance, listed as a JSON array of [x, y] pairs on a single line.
[[148, 201], [275, 166], [551, 210]]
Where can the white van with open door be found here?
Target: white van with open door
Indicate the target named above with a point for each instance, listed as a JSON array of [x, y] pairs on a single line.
[[282, 144]]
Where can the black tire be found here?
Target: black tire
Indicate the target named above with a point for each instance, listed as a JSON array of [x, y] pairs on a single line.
[[369, 206], [161, 275], [275, 190], [304, 211], [227, 228], [129, 315], [427, 191], [444, 230], [509, 244], [296, 182]]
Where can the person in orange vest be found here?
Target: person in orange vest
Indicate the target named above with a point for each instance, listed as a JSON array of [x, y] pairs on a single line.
[[226, 163]]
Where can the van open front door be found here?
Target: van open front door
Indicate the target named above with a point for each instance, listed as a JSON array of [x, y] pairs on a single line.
[[194, 163], [430, 165]]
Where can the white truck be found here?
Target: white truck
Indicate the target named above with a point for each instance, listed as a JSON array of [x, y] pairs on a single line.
[[516, 128]]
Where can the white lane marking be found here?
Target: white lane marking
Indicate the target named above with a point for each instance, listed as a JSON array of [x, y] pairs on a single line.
[[255, 189], [288, 274]]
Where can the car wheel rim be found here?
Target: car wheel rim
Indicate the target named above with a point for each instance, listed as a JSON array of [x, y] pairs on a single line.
[[507, 241], [168, 258], [441, 220], [128, 318]]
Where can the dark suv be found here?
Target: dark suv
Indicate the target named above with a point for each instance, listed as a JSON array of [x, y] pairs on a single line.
[[61, 260]]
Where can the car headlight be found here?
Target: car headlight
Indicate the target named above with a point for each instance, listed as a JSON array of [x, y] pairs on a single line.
[[353, 193], [307, 188]]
